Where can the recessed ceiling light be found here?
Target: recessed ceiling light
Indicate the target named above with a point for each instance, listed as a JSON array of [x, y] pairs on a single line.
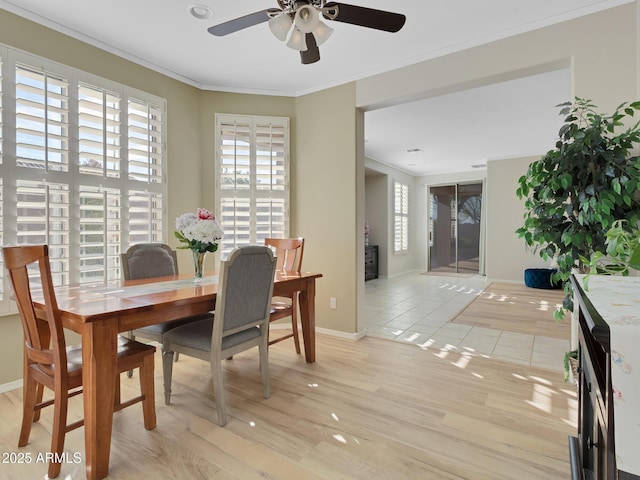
[[201, 12]]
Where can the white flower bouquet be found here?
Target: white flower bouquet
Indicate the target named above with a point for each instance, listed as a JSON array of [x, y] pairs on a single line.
[[198, 231]]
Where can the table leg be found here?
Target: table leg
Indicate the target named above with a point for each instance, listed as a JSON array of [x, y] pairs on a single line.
[[99, 357], [308, 319]]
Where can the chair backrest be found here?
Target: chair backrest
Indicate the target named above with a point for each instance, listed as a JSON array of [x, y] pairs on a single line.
[[245, 288], [39, 349], [288, 252], [148, 260]]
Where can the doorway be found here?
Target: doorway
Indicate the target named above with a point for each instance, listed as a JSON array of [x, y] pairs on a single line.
[[455, 214]]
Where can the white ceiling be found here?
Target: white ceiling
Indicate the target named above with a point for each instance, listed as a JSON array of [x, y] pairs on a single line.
[[461, 131], [470, 126]]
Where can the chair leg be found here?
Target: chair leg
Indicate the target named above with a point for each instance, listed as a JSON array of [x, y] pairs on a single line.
[[59, 429], [294, 322], [29, 398], [167, 371], [118, 397], [147, 389], [130, 336], [36, 415], [263, 350], [218, 391]]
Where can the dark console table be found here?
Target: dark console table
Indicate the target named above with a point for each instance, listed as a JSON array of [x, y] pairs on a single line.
[[606, 446], [370, 262]]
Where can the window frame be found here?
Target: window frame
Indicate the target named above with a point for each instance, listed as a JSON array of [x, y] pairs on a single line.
[[252, 197], [12, 173], [400, 217]]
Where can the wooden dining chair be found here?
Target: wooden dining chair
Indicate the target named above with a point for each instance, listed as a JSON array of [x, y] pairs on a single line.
[[149, 260], [49, 363], [288, 252], [245, 289]]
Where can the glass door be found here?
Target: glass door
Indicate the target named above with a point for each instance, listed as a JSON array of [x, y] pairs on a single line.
[[454, 228], [442, 229]]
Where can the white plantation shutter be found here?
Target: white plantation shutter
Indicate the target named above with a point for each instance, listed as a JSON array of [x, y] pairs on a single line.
[[98, 131], [252, 179], [146, 142], [100, 232], [82, 168], [42, 113], [43, 216], [401, 218], [146, 217], [270, 149]]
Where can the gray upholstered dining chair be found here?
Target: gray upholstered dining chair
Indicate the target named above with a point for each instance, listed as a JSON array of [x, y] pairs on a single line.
[[241, 321], [149, 260]]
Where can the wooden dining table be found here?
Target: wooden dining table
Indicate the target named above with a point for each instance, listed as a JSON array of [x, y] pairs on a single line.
[[99, 313]]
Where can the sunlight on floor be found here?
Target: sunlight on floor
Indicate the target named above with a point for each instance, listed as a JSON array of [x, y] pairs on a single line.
[[419, 309]]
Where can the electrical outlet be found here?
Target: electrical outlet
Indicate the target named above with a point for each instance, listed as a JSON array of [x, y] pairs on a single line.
[[333, 303]]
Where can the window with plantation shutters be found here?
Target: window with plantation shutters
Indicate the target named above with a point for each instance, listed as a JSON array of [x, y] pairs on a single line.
[[252, 179], [401, 217], [83, 164]]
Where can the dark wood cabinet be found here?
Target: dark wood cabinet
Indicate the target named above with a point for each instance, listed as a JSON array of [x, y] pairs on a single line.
[[370, 262]]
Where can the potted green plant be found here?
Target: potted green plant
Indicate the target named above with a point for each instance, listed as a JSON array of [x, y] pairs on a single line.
[[622, 253], [570, 364], [576, 191]]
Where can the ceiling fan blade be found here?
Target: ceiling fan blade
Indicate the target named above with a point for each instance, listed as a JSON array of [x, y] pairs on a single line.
[[241, 23], [364, 17], [312, 53]]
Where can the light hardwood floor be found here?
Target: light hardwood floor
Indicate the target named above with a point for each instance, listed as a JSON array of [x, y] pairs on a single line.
[[519, 309], [371, 409]]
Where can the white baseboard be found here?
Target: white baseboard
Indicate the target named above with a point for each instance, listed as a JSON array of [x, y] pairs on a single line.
[[325, 331], [7, 387]]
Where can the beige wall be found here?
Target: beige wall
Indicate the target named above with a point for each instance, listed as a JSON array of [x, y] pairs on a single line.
[[601, 49], [325, 198], [507, 255]]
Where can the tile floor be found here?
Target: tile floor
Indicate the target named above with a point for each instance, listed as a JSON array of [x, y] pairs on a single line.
[[418, 309]]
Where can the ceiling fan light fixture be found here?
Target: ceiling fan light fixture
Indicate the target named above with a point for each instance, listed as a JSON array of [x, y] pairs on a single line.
[[280, 26], [322, 32], [297, 40], [306, 19]]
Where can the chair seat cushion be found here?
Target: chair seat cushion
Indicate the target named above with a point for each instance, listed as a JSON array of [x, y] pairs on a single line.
[[197, 335], [193, 335]]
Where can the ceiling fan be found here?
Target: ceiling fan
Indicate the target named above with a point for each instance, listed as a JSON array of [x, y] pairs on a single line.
[[308, 30]]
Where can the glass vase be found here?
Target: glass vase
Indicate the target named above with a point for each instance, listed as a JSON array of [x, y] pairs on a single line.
[[198, 265]]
